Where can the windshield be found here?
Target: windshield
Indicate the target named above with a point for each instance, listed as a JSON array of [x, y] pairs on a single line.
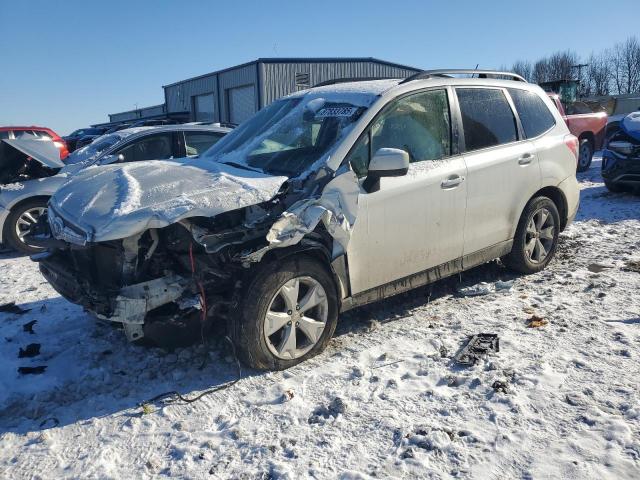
[[291, 134], [95, 148]]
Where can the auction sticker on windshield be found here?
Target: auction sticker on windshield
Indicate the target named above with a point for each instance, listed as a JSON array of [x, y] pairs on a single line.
[[336, 112]]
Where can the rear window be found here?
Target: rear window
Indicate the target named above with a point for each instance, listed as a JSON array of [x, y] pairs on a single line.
[[487, 118], [534, 114]]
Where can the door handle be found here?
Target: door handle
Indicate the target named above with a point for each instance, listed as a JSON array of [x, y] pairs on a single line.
[[452, 182], [525, 159]]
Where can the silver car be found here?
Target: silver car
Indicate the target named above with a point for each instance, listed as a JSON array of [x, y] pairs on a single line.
[[32, 172]]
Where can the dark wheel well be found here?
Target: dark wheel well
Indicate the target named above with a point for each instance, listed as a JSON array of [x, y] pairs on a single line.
[[589, 136], [557, 197], [44, 198]]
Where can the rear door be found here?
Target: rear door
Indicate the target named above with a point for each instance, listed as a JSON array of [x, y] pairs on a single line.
[[502, 166], [416, 221]]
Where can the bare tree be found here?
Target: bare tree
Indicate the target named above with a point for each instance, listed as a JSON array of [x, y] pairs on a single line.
[[598, 74], [523, 68], [540, 71], [560, 65], [625, 66]]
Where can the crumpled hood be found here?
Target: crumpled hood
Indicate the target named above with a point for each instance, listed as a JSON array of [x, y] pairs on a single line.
[[116, 201], [631, 125]]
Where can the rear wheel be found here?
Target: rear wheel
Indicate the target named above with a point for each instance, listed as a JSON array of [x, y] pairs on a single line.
[[536, 237], [19, 223], [287, 314], [585, 155]]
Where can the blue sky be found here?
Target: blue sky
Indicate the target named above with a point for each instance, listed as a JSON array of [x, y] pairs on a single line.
[[68, 64]]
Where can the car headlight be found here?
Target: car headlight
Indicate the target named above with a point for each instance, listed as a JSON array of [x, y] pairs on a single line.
[[625, 148]]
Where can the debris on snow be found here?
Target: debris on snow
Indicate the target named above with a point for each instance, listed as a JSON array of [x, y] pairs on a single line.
[[32, 370], [536, 322], [484, 288], [478, 346], [598, 267], [632, 266], [500, 386], [11, 307], [32, 350], [28, 327]]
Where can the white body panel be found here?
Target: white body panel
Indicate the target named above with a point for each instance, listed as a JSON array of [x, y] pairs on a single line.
[[500, 179], [412, 223]]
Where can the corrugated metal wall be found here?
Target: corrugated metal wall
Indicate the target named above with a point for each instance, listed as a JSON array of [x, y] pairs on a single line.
[[179, 96], [145, 112], [279, 78]]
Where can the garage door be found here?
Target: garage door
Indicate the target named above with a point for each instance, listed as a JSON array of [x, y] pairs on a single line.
[[242, 103]]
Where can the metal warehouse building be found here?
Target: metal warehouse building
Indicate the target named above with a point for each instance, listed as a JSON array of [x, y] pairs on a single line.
[[234, 94]]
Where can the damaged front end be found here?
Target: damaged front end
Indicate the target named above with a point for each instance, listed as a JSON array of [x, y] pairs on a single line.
[[170, 285]]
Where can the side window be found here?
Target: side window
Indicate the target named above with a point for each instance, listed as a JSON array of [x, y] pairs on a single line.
[[153, 147], [419, 124], [534, 114], [487, 118], [197, 143]]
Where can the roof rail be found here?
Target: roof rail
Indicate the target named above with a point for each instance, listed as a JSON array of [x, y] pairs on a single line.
[[448, 72], [352, 79]]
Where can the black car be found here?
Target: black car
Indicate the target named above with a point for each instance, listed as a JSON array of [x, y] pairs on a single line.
[[75, 137], [621, 157]]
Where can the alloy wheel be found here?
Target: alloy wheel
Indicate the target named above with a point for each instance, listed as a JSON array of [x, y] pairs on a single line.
[[540, 236], [296, 318], [26, 220]]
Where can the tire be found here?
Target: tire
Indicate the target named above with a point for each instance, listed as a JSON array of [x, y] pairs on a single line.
[[521, 258], [585, 155], [264, 293], [613, 187], [21, 215]]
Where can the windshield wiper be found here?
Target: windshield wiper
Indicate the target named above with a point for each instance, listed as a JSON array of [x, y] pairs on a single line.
[[243, 167]]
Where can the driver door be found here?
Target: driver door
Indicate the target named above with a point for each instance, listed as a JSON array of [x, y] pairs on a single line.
[[416, 221]]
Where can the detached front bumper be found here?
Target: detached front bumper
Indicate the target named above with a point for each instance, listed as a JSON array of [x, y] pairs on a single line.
[[620, 170]]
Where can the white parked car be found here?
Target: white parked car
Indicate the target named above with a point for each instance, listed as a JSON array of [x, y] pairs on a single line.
[[31, 173], [328, 199]]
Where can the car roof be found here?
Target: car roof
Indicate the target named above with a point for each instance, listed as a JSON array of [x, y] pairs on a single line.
[[387, 86], [32, 127]]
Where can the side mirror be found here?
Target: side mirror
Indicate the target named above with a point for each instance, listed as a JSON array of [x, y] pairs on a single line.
[[108, 159], [387, 162]]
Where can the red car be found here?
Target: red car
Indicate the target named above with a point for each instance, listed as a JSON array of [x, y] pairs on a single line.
[[37, 132], [584, 123]]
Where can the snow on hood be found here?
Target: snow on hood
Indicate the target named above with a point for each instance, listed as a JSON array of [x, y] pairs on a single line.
[[631, 125], [44, 151], [116, 201]]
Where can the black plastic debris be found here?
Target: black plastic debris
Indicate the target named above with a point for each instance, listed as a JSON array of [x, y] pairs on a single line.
[[28, 327], [500, 386], [478, 346], [32, 370], [31, 350], [11, 307]]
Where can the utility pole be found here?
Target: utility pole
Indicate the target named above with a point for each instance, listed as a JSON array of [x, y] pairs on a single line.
[[580, 66]]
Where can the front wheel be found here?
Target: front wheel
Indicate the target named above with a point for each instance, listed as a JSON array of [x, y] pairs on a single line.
[[288, 312], [19, 223], [585, 155], [536, 239]]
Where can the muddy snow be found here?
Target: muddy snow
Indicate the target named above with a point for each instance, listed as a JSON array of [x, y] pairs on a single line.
[[386, 400]]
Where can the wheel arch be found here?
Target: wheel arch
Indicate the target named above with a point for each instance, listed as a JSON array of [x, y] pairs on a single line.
[[557, 196], [318, 245], [12, 208], [588, 136]]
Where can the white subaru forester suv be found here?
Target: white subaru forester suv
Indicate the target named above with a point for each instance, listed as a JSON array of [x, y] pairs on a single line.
[[327, 199]]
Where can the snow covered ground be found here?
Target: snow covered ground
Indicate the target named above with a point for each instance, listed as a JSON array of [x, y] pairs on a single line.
[[385, 400]]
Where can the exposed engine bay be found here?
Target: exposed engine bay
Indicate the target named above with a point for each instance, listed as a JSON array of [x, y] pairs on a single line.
[[16, 166]]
